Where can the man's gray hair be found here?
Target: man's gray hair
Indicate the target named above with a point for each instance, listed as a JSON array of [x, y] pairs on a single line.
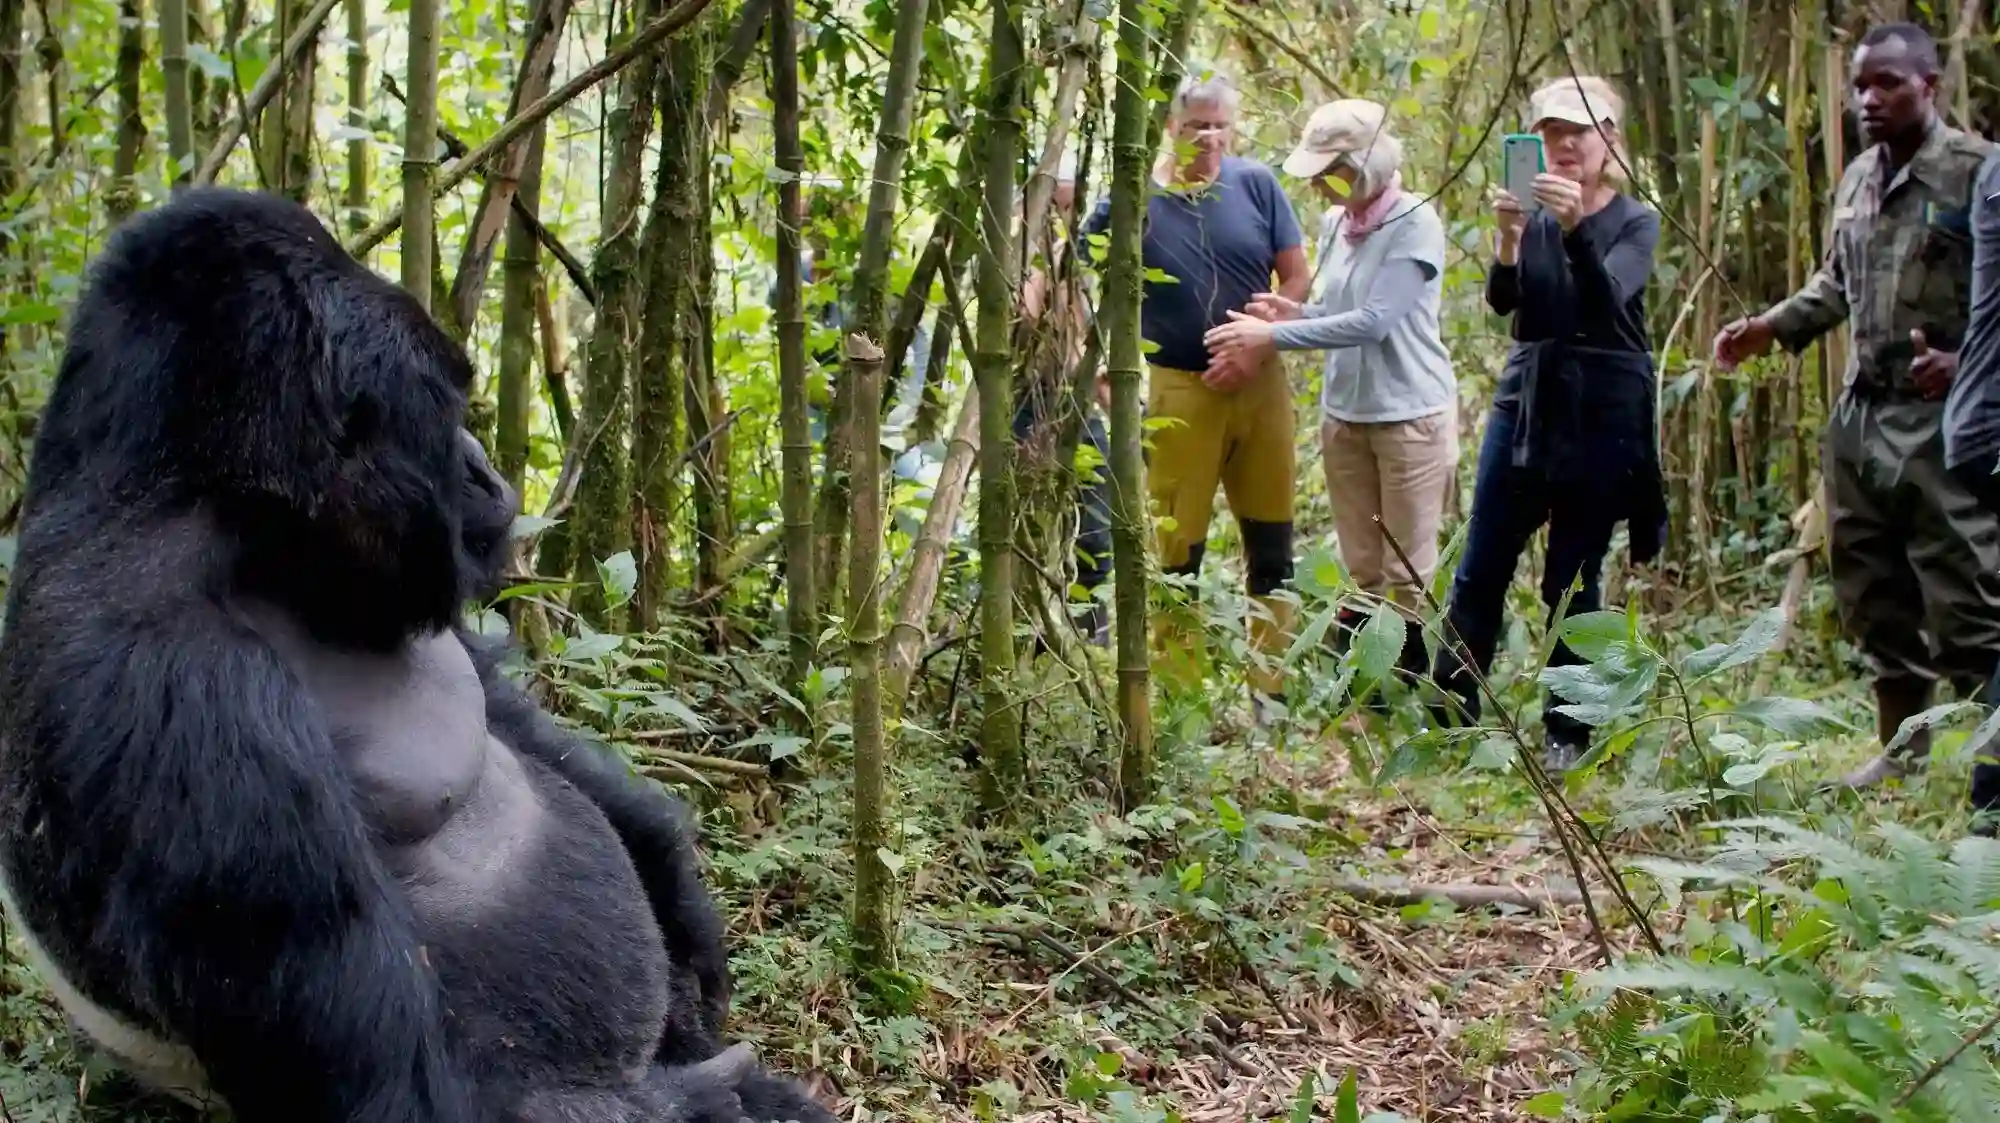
[[1207, 87]]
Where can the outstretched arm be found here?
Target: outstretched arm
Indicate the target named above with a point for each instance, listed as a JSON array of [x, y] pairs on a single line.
[[199, 859], [653, 825]]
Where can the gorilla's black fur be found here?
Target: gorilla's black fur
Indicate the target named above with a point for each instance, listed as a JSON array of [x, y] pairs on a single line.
[[274, 825]]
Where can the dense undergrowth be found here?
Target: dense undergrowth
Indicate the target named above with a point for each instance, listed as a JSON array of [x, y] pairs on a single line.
[[1819, 956]]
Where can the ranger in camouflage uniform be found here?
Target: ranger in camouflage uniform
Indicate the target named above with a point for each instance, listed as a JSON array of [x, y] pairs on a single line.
[[1915, 555]]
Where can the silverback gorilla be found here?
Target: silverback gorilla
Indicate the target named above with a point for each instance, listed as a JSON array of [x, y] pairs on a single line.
[[277, 830]]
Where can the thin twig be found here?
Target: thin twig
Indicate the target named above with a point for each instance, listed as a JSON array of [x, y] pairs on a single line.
[[1971, 1038], [640, 45]]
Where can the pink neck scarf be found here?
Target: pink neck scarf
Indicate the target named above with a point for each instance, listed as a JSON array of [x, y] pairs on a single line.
[[1362, 222]]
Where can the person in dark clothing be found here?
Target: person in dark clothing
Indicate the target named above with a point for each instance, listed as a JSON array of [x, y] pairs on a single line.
[[1570, 440], [1972, 431]]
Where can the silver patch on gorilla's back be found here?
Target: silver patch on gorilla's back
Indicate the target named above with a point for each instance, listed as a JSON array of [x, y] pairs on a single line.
[[164, 1066]]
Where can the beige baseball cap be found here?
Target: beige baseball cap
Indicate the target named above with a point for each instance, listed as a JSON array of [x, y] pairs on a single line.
[[1579, 101], [1339, 128]]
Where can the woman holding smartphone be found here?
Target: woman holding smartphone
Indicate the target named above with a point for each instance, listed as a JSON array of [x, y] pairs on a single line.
[[1571, 439]]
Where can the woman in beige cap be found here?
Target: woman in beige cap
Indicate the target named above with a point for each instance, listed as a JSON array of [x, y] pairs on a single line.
[[1570, 441], [1389, 401]]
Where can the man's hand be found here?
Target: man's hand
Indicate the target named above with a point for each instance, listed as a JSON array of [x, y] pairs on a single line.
[[1932, 371], [1743, 339], [1272, 307], [1562, 197], [1229, 369]]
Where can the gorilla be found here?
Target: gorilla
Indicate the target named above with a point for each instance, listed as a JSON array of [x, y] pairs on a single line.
[[276, 830]]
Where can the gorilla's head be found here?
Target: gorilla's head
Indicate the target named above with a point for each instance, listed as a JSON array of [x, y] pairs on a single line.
[[230, 361], [489, 504]]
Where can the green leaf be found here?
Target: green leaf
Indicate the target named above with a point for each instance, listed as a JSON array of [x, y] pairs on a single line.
[[891, 861], [591, 645], [1378, 645], [1347, 1107], [781, 745], [31, 313], [1302, 1104], [1407, 106], [1789, 717], [1427, 24], [1591, 634], [619, 574], [1755, 642], [676, 709], [526, 525], [1935, 716], [1227, 814], [1548, 1105], [1191, 877]]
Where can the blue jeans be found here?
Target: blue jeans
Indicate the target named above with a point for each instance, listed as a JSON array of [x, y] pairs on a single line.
[[1509, 505]]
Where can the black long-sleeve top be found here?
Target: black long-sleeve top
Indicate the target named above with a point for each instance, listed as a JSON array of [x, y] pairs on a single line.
[[1580, 372]]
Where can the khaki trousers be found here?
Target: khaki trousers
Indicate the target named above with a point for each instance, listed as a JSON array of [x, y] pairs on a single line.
[[1402, 472]]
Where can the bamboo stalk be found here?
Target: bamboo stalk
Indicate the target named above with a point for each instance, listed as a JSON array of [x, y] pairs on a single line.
[[1131, 152], [174, 72], [260, 95], [874, 942], [420, 147], [910, 633]]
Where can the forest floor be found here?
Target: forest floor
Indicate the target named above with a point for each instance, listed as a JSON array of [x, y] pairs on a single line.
[[1197, 960]]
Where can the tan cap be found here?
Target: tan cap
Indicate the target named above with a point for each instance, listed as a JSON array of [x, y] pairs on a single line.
[[1350, 125], [1580, 101]]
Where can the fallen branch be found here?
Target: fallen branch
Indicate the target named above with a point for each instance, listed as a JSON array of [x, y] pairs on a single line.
[[701, 763], [265, 89], [1465, 895], [908, 634], [640, 45]]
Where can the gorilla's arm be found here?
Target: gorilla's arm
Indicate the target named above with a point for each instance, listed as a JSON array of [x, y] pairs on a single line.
[[218, 875], [652, 824]]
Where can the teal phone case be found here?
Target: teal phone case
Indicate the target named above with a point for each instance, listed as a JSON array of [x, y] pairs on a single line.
[[1507, 145]]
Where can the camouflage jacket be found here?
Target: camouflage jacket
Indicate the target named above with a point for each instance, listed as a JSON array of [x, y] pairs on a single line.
[[1899, 260]]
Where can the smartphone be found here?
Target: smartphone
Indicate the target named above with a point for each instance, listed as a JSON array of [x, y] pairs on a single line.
[[1520, 162]]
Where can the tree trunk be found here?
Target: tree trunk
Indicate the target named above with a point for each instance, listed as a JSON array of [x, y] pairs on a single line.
[[871, 273], [357, 114], [602, 518], [873, 940], [174, 22], [420, 145], [1130, 156], [123, 197], [667, 253], [503, 180], [795, 439], [743, 39], [520, 271], [1000, 725], [707, 414], [288, 124]]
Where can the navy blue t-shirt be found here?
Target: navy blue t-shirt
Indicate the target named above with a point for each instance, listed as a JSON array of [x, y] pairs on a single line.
[[1220, 244]]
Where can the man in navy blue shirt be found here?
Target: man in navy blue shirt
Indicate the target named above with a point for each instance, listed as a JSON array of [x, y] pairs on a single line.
[[1220, 228]]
